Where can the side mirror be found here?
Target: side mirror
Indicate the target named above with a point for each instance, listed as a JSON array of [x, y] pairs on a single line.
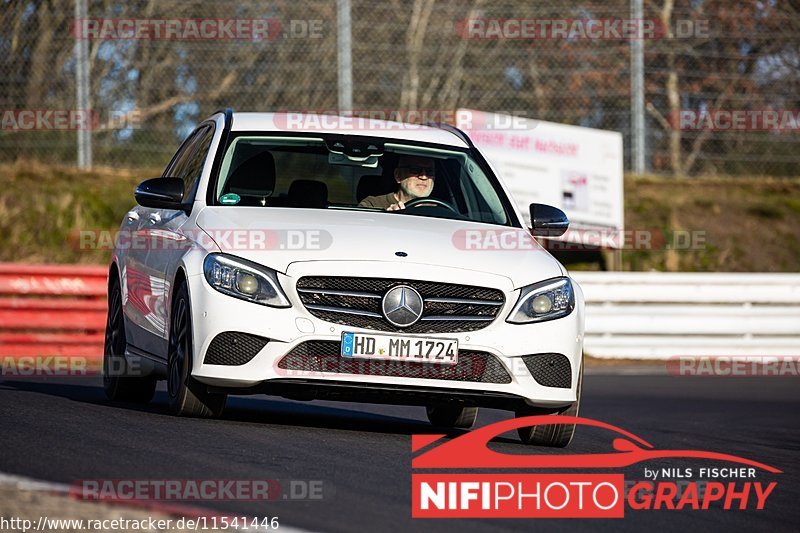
[[548, 221], [160, 193]]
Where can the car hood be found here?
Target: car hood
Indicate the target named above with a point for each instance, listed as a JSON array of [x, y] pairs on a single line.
[[278, 237]]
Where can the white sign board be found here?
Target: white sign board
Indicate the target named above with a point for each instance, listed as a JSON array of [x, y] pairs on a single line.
[[578, 170]]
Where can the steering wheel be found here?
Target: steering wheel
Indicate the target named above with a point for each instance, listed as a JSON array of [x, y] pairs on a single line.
[[434, 201]]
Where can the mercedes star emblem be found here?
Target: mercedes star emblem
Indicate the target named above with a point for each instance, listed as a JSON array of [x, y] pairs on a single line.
[[402, 306]]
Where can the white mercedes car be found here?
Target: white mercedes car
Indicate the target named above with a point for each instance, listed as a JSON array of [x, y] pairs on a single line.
[[359, 260]]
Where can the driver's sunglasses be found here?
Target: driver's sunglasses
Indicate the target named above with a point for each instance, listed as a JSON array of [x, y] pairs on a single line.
[[420, 171]]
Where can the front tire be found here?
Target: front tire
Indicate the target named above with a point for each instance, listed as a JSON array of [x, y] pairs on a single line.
[[452, 415], [552, 435], [118, 382], [187, 396]]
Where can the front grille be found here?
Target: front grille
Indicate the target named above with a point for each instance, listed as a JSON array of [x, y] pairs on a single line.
[[324, 357], [356, 302], [232, 348], [550, 369]]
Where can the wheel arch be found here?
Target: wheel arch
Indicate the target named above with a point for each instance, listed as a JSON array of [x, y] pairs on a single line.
[[180, 278], [113, 273]]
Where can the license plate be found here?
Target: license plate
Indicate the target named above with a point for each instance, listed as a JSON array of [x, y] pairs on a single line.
[[400, 348]]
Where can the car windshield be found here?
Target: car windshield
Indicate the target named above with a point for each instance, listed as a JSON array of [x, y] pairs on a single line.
[[366, 174]]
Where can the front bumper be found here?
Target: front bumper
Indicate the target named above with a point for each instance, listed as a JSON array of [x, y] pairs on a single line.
[[214, 313]]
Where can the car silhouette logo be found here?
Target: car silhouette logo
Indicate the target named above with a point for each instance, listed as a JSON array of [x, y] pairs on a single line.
[[402, 306], [470, 450]]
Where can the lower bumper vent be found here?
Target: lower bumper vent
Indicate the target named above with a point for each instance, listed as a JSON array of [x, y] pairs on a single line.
[[232, 348], [550, 369]]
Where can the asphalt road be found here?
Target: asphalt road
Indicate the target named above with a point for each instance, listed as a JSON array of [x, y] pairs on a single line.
[[66, 431]]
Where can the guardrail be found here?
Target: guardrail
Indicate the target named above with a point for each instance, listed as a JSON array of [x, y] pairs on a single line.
[[52, 310], [657, 315], [61, 310]]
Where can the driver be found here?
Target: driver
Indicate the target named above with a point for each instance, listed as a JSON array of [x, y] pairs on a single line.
[[414, 176]]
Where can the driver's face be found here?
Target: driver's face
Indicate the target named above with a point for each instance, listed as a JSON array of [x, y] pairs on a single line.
[[415, 176]]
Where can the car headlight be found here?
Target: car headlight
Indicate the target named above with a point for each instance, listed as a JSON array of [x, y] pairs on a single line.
[[244, 280], [543, 301]]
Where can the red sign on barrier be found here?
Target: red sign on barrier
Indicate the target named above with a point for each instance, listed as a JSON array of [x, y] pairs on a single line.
[[52, 319]]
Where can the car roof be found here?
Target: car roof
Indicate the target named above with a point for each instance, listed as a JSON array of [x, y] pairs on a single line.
[[315, 123]]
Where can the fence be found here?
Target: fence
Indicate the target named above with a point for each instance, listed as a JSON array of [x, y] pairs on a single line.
[[656, 315], [146, 90]]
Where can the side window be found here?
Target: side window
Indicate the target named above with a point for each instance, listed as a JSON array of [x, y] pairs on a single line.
[[180, 158], [197, 160], [188, 162]]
